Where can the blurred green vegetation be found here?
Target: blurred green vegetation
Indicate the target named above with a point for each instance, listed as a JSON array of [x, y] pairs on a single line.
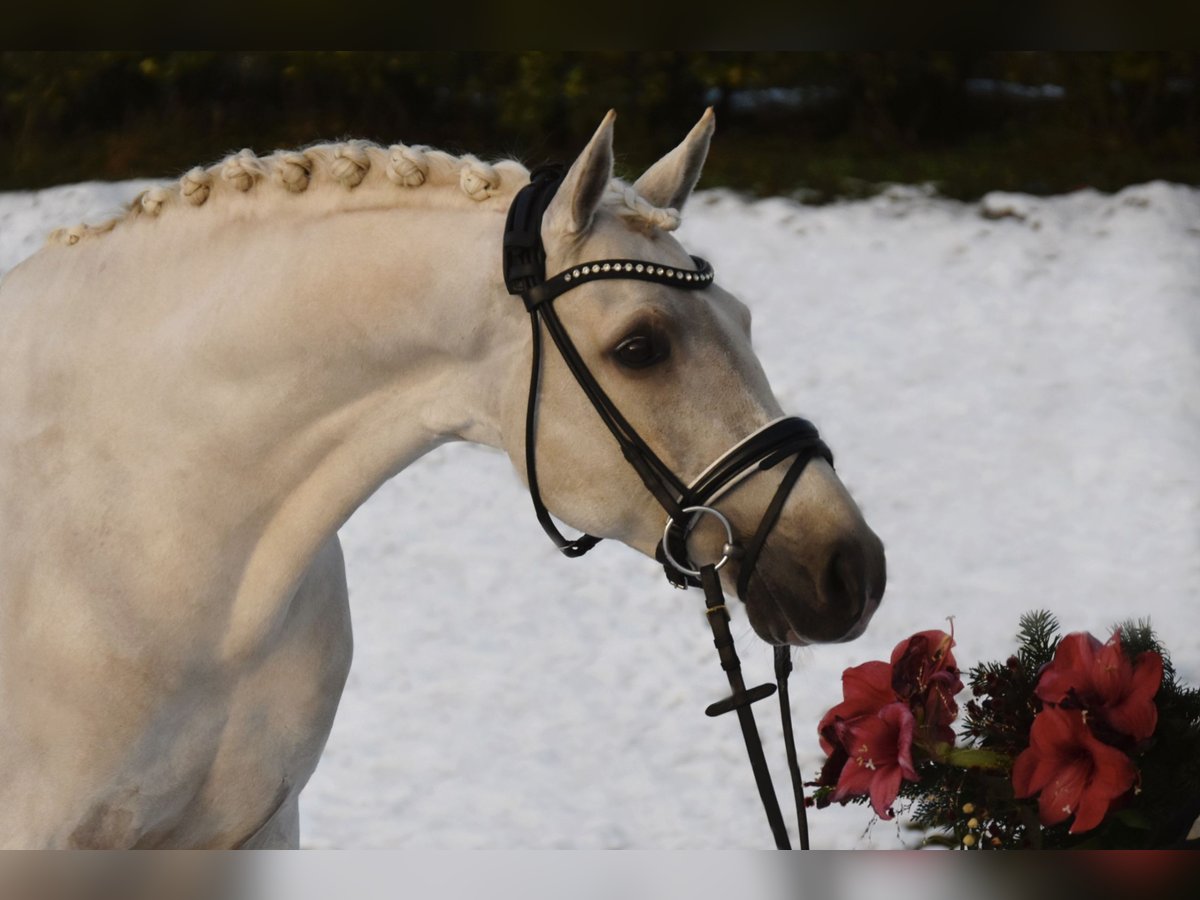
[[815, 125]]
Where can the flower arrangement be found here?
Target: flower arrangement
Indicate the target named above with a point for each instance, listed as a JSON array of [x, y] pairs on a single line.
[[1068, 743]]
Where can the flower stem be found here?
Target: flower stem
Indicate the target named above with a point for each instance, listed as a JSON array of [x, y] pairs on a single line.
[[972, 758]]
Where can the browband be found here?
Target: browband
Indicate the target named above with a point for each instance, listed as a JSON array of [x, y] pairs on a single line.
[[601, 269]]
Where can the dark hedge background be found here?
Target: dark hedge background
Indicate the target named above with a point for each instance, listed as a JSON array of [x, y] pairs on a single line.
[[817, 125]]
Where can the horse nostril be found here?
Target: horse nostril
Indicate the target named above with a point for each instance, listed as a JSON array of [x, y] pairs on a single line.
[[843, 584]]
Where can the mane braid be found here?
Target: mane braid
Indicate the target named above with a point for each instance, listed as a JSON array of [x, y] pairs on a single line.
[[633, 206], [347, 165]]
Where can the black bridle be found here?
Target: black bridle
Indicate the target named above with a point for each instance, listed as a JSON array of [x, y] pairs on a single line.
[[684, 503]]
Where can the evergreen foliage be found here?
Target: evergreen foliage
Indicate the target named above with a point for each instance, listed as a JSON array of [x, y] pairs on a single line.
[[822, 124]]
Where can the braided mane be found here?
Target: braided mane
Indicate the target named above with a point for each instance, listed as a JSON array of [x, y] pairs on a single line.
[[347, 165]]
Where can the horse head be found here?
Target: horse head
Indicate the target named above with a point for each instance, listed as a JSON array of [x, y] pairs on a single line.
[[675, 360]]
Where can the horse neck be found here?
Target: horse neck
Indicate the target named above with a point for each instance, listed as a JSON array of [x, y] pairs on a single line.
[[390, 348], [273, 374], [370, 333]]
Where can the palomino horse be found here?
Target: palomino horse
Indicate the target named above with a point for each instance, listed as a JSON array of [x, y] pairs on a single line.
[[197, 394]]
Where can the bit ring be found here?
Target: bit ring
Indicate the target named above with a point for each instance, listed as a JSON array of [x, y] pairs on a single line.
[[730, 549]]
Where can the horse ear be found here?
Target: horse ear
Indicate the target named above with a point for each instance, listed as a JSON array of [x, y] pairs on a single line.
[[669, 182], [574, 205]]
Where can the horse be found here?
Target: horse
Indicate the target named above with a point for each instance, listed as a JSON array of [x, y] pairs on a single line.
[[197, 393]]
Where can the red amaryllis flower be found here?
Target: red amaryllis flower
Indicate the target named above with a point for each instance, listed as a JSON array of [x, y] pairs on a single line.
[[924, 673], [866, 689], [880, 757], [1073, 773], [1100, 678]]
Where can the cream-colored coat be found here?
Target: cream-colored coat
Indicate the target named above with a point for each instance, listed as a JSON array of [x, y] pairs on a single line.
[[195, 397]]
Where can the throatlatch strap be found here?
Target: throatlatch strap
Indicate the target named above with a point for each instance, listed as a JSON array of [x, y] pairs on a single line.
[[569, 548]]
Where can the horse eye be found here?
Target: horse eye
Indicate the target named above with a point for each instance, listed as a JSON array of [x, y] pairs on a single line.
[[640, 350]]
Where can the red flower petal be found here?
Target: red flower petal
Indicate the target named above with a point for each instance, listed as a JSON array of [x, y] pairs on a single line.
[[1037, 771], [1060, 797], [1147, 674], [1134, 717], [1136, 714], [933, 642], [1050, 740], [1054, 730], [940, 708], [918, 660], [1112, 671], [1091, 812], [880, 756], [1113, 773], [885, 787], [855, 780], [866, 689], [1022, 773], [901, 719], [1074, 659]]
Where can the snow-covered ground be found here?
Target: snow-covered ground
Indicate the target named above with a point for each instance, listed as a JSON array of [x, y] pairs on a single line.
[[1012, 389]]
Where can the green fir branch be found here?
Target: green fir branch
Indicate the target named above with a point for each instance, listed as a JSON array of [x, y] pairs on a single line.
[[1037, 636]]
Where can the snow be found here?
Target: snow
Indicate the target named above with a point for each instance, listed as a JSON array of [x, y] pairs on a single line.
[[1012, 389]]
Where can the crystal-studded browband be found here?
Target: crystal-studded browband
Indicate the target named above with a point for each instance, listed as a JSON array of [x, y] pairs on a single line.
[[600, 269]]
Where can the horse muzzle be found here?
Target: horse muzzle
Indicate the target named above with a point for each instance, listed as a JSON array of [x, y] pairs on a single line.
[[828, 600]]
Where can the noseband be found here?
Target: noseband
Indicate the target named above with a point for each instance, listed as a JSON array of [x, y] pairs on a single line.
[[684, 503]]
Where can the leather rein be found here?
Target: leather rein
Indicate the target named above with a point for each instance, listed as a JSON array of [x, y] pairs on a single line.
[[685, 503]]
